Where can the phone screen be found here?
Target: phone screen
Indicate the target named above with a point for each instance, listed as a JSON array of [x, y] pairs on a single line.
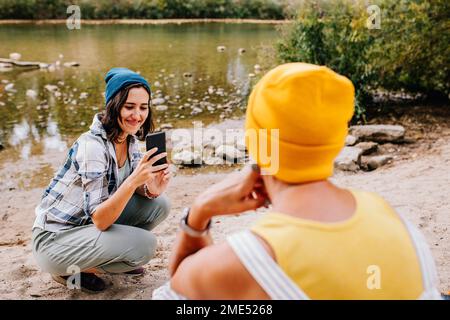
[[158, 140]]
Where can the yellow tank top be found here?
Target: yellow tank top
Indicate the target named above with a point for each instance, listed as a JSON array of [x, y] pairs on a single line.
[[369, 256]]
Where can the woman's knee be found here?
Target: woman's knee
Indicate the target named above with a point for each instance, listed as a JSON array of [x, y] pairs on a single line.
[[162, 207], [144, 249]]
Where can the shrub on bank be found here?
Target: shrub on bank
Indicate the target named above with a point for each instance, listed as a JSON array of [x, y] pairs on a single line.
[[413, 52], [409, 52]]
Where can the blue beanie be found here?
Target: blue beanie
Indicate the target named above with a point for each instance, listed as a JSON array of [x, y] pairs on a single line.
[[118, 78]]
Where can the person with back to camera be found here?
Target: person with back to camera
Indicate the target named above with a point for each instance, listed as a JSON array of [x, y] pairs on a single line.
[[318, 240]]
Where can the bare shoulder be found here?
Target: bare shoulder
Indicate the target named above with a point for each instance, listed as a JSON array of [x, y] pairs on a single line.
[[215, 272]]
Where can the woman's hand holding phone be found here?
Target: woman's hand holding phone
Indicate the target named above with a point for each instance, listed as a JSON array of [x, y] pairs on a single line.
[[159, 184], [156, 177]]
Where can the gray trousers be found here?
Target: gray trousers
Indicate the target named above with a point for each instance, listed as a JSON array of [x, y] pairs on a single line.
[[126, 245]]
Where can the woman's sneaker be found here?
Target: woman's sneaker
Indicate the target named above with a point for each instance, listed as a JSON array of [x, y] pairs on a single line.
[[89, 282]]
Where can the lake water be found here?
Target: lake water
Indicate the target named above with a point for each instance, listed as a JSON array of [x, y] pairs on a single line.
[[162, 53]]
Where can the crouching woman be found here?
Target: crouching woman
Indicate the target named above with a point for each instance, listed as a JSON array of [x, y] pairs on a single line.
[[97, 212]]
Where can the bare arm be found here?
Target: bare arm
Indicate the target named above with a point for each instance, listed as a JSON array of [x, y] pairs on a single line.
[[224, 272], [109, 211], [215, 272], [239, 192]]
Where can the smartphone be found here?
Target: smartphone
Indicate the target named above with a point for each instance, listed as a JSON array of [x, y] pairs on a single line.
[[158, 140]]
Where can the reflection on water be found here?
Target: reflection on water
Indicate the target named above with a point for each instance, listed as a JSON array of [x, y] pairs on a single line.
[[181, 62], [24, 136], [20, 132], [53, 141]]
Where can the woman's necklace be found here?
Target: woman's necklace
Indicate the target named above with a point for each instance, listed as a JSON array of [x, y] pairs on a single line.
[[121, 152], [120, 141]]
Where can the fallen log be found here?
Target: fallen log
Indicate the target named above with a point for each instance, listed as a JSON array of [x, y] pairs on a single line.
[[34, 64], [23, 64]]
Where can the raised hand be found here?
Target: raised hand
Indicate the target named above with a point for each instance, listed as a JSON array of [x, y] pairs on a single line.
[[158, 184], [238, 192], [145, 172]]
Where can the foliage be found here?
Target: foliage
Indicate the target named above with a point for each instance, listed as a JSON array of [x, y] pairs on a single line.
[[144, 9], [409, 52]]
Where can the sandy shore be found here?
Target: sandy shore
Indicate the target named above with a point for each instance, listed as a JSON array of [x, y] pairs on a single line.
[[418, 188]]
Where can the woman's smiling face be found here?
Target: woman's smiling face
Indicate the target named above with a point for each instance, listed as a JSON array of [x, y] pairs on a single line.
[[134, 111]]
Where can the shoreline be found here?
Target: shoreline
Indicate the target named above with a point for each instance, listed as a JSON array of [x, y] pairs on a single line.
[[142, 21]]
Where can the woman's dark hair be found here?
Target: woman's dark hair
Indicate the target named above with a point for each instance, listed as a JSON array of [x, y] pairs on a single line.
[[110, 117]]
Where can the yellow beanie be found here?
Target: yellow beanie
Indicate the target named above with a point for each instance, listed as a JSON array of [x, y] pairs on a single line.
[[311, 106]]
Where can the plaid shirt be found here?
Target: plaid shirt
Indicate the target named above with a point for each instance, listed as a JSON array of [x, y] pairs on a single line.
[[88, 177]]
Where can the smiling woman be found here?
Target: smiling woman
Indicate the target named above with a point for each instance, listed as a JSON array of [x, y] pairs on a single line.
[[135, 110], [96, 214], [129, 112]]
